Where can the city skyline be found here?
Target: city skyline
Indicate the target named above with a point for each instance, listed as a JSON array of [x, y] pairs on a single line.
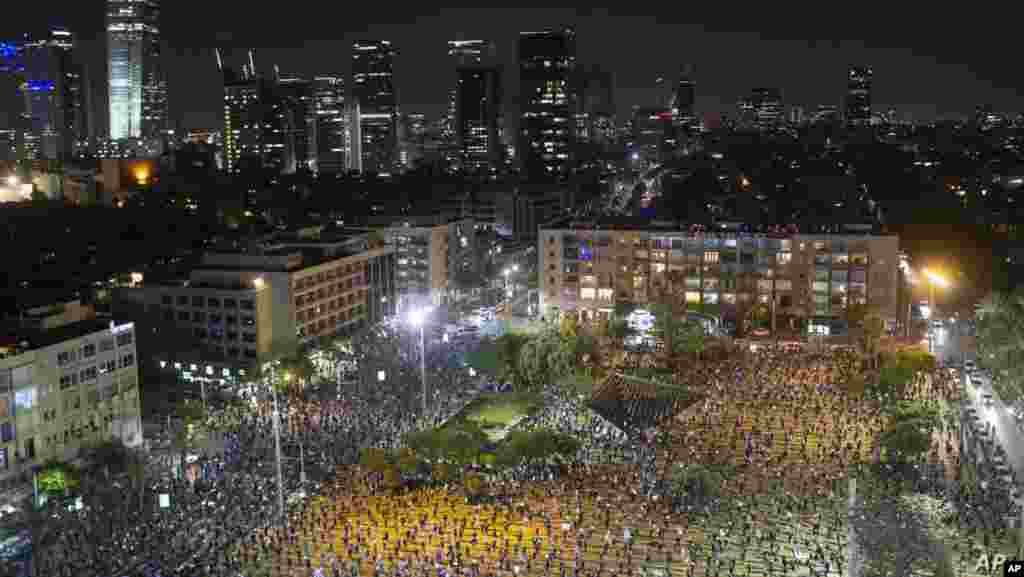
[[728, 63]]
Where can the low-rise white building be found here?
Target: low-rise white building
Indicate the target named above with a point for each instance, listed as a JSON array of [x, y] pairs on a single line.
[[65, 389]]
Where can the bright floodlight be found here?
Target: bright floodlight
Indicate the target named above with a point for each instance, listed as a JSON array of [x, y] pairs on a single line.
[[12, 180], [506, 272], [257, 282], [936, 279], [417, 316]]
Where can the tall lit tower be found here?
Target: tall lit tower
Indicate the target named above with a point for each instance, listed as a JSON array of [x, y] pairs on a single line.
[[329, 123], [479, 119], [858, 96], [684, 99], [137, 89], [547, 63], [52, 90], [373, 90], [463, 53]]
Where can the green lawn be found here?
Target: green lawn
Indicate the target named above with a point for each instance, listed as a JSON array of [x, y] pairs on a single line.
[[484, 358], [499, 409], [580, 382]]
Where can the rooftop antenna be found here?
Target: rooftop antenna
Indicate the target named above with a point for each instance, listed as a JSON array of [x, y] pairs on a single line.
[[252, 62], [220, 63], [277, 73]]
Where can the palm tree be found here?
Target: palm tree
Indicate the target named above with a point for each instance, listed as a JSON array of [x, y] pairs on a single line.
[[669, 304]]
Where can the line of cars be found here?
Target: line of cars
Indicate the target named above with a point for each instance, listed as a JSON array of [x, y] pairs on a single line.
[[982, 379]]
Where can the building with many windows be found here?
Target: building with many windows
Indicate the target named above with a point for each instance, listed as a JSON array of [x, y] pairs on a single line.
[[245, 300], [433, 256], [547, 64], [329, 124], [809, 279], [858, 96], [136, 84], [373, 91], [479, 121], [53, 94], [66, 388]]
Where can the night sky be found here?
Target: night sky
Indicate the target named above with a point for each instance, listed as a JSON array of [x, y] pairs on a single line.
[[934, 62]]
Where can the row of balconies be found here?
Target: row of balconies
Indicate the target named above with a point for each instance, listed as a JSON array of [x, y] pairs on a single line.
[[329, 276], [330, 291]]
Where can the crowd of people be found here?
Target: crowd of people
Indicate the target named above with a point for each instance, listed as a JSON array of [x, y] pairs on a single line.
[[125, 535], [783, 425]]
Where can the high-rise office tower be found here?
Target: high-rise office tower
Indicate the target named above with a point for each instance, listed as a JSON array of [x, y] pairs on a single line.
[[354, 137], [254, 131], [547, 62], [858, 96], [52, 88], [467, 53], [479, 121], [295, 96], [684, 99], [330, 124], [374, 91], [137, 89], [767, 106], [463, 53], [595, 112]]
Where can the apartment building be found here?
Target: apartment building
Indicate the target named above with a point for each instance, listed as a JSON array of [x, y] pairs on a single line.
[[246, 299], [65, 389], [432, 256], [809, 279]]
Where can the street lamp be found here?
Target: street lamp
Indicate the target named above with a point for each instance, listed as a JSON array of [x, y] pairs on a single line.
[[933, 279], [277, 445], [418, 318]]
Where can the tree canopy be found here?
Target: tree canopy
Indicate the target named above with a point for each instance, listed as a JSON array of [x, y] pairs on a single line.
[[1001, 341]]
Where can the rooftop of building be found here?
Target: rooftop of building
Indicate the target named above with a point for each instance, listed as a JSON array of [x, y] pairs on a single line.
[[641, 224], [314, 244], [15, 340]]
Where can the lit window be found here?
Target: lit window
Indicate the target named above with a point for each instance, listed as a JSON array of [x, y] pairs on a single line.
[[588, 293], [692, 297], [711, 257], [785, 257], [605, 294]]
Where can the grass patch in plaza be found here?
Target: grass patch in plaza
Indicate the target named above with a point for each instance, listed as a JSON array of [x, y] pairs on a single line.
[[485, 358], [499, 409]]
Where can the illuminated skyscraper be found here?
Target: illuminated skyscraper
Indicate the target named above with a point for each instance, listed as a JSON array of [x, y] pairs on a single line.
[[463, 53], [547, 62], [374, 91], [329, 124], [295, 96], [858, 96], [255, 135], [137, 89], [53, 96], [767, 105], [684, 99], [479, 119]]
